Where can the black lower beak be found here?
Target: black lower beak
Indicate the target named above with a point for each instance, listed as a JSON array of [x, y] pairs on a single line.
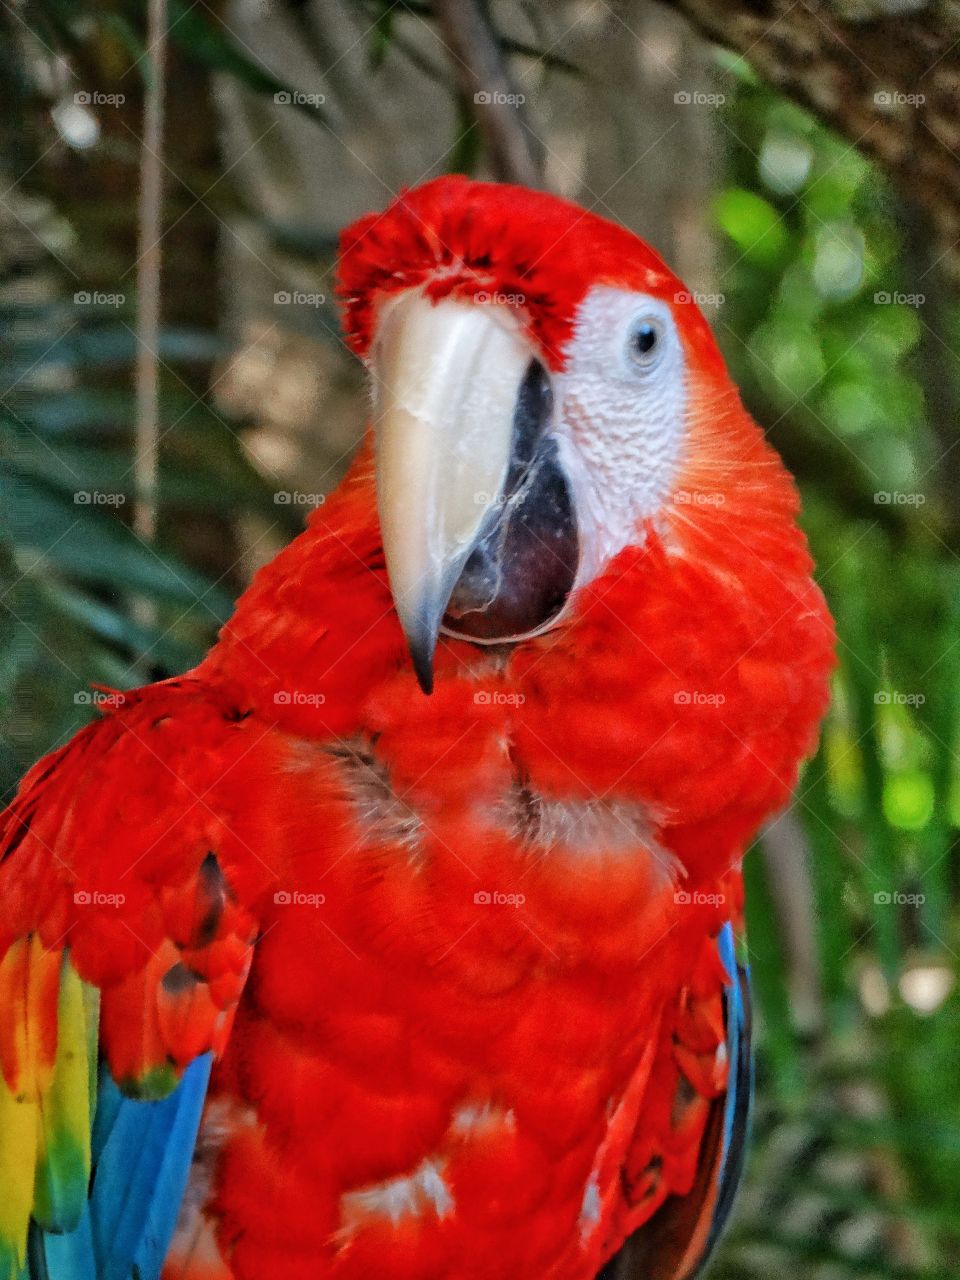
[[524, 561]]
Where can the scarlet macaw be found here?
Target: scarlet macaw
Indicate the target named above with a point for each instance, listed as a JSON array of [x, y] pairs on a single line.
[[446, 979]]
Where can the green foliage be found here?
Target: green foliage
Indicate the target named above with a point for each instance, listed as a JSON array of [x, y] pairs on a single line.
[[830, 303], [71, 567], [83, 599]]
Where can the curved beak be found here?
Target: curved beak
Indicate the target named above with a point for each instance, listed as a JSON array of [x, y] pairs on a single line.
[[446, 381]]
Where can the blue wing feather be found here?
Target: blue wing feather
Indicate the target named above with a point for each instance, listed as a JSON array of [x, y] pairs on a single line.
[[142, 1153], [739, 1098], [70, 1256]]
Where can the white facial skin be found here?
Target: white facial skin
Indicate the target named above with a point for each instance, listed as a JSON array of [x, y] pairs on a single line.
[[619, 418], [447, 378]]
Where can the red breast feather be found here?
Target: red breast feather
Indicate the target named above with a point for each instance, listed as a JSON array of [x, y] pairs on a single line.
[[658, 726]]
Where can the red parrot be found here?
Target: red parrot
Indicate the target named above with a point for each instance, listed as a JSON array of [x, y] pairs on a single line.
[[396, 939]]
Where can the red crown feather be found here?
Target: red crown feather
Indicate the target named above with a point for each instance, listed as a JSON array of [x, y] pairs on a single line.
[[461, 238]]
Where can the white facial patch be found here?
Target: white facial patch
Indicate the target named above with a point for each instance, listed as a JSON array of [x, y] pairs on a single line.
[[619, 419]]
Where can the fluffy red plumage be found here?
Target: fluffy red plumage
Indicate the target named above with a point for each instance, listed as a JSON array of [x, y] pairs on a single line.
[[298, 792]]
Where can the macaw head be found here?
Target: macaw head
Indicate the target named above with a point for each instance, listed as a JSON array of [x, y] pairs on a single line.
[[543, 389]]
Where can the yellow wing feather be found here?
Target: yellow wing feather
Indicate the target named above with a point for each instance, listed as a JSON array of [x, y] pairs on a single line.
[[48, 1055]]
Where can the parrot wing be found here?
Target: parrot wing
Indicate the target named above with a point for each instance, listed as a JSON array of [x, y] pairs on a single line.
[[677, 1240], [124, 948]]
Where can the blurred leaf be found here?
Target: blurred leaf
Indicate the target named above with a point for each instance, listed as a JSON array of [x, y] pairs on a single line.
[[752, 224]]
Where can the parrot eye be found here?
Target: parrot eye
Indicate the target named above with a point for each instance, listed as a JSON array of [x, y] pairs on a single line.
[[645, 344]]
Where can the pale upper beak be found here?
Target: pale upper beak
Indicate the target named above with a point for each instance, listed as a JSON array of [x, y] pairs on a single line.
[[446, 381]]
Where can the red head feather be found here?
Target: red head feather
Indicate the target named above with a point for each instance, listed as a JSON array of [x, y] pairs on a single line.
[[462, 238]]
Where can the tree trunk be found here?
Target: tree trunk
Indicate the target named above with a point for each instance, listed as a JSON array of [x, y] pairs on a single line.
[[884, 74]]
